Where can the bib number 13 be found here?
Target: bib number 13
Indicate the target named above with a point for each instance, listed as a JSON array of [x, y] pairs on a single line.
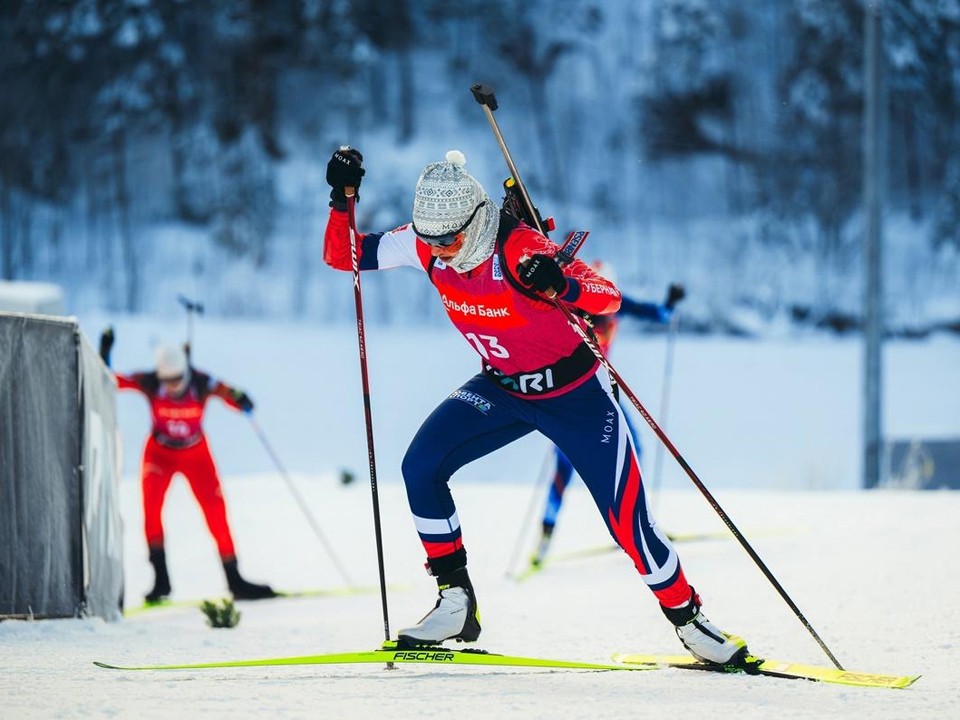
[[487, 346]]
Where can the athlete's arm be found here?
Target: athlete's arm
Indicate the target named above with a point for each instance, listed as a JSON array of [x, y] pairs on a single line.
[[234, 397], [136, 381], [375, 251], [645, 310]]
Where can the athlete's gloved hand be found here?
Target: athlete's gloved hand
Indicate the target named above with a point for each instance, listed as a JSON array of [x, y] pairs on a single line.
[[675, 294], [344, 170], [106, 345], [543, 274], [243, 401]]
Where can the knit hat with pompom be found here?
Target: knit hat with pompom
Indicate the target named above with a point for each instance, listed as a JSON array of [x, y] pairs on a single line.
[[445, 198]]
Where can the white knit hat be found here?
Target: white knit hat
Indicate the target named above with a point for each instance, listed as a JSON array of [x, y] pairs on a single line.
[[446, 196], [171, 362], [446, 199]]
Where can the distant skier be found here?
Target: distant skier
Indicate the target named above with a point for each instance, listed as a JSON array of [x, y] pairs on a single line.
[[177, 394], [494, 275], [604, 328]]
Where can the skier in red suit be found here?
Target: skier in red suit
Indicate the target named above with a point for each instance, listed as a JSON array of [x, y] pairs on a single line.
[[177, 394]]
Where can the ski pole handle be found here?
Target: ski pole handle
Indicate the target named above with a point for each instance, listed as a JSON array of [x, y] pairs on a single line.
[[483, 94]]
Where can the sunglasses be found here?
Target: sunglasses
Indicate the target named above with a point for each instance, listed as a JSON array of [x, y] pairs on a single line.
[[449, 238]]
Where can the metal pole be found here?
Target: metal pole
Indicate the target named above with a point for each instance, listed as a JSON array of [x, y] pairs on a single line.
[[873, 270], [191, 306], [664, 402], [531, 509]]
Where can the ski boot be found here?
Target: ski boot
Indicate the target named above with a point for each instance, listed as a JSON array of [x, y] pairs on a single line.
[[454, 617], [161, 583], [242, 589], [706, 641]]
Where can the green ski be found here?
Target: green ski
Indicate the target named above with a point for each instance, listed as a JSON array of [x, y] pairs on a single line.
[[389, 653], [168, 604], [775, 668]]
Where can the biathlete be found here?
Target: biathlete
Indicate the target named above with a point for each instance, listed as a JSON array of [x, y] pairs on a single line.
[[495, 276], [177, 394]]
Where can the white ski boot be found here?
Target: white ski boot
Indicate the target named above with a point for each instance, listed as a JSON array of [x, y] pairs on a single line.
[[706, 641], [454, 617]]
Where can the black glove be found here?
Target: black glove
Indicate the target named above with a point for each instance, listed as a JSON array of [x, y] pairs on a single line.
[[106, 345], [542, 273], [344, 170], [243, 401], [675, 293]]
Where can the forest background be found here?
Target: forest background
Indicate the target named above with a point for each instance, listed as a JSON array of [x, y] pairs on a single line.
[[156, 147]]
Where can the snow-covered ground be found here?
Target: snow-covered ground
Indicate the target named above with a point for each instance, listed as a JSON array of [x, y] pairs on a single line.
[[772, 428]]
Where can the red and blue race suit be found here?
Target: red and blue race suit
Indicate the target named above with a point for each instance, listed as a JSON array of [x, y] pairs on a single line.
[[177, 444], [536, 374]]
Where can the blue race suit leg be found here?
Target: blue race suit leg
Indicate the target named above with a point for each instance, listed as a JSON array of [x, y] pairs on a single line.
[[590, 427], [473, 421]]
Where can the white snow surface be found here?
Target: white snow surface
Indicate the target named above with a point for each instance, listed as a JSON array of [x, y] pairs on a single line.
[[772, 428]]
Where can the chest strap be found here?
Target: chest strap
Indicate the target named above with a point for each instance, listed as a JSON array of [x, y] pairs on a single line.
[[547, 379]]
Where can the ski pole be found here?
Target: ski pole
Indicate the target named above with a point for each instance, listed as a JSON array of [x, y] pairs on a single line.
[[300, 501], [484, 96], [528, 515], [367, 412], [191, 306], [664, 402]]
